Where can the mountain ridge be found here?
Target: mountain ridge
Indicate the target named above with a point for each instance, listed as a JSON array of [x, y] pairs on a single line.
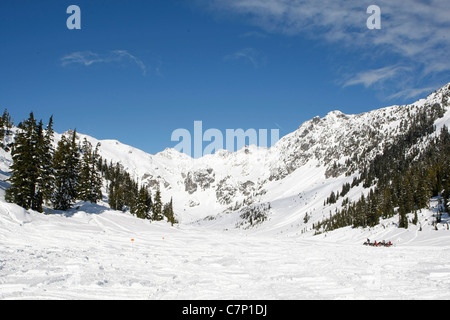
[[332, 146], [320, 150]]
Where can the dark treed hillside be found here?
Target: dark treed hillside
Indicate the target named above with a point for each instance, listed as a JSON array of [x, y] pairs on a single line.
[[402, 179]]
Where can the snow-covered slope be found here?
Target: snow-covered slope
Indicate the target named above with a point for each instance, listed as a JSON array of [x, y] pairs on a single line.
[[88, 252]]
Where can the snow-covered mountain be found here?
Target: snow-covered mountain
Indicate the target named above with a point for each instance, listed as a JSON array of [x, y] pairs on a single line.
[[93, 252], [294, 176], [319, 152]]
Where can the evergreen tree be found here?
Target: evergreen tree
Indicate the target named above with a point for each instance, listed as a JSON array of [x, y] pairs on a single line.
[[157, 206], [112, 196], [66, 166], [96, 177], [6, 125], [119, 198], [84, 173], [446, 196], [130, 192], [90, 182], [144, 204], [388, 206], [45, 155], [31, 180], [25, 165], [306, 218], [373, 217], [423, 192], [116, 176], [403, 219], [168, 212], [416, 218], [38, 157], [7, 122]]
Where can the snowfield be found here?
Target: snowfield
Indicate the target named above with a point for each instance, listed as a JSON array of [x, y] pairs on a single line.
[[242, 232], [88, 254]]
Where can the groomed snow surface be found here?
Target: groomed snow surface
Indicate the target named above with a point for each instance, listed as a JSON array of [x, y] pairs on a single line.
[[88, 254]]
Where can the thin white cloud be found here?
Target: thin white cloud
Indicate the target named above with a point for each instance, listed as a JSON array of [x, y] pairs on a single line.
[[126, 55], [88, 58], [411, 93], [371, 77], [85, 58], [251, 55]]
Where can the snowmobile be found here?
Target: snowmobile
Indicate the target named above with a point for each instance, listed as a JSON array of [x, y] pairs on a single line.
[[378, 244]]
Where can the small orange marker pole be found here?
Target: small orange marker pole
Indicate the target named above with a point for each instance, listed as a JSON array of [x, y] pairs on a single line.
[[132, 241]]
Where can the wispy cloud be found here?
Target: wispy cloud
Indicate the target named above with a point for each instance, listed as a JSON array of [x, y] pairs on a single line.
[[371, 77], [254, 57], [88, 58], [412, 93]]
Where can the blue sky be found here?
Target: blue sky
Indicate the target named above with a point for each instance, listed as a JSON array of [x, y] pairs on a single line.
[[138, 70]]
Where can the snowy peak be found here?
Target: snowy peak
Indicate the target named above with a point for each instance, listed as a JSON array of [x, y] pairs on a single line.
[[335, 115], [174, 155], [338, 137]]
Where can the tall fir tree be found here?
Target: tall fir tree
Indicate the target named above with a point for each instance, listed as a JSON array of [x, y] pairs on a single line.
[[31, 180], [111, 196], [96, 177], [157, 206], [130, 192], [144, 204], [66, 166], [45, 154], [38, 198], [117, 177], [168, 212], [25, 168], [6, 125], [402, 218], [90, 182]]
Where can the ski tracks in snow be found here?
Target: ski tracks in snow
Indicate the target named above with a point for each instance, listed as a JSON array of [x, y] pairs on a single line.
[[92, 256]]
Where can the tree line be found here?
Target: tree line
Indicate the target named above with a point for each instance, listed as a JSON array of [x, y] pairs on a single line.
[[44, 175], [401, 180]]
